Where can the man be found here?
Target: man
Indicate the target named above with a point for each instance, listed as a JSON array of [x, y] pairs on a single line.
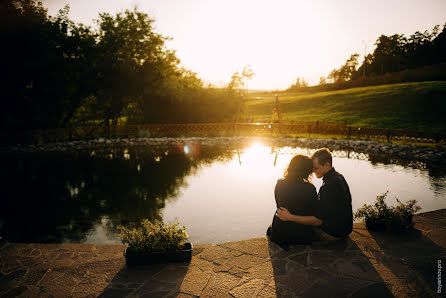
[[334, 216]]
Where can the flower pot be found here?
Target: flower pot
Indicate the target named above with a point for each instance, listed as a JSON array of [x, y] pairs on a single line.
[[182, 255], [374, 224], [402, 225]]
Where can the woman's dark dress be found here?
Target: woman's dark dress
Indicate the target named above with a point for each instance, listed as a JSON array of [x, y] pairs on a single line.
[[299, 198]]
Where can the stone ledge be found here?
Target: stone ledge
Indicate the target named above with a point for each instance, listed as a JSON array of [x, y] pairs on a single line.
[[365, 264]]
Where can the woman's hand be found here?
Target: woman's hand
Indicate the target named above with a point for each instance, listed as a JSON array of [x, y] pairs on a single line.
[[283, 214]]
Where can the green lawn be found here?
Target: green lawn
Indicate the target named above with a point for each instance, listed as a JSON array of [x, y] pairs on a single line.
[[413, 106]]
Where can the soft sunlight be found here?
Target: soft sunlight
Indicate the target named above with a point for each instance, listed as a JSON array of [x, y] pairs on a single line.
[[281, 40], [184, 131], [252, 163], [256, 157]]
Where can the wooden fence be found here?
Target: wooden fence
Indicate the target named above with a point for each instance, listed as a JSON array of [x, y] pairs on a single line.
[[305, 128]]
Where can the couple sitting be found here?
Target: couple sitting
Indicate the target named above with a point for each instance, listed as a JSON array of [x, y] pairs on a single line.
[[302, 215]]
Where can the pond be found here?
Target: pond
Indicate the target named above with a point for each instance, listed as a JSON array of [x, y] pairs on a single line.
[[220, 191]]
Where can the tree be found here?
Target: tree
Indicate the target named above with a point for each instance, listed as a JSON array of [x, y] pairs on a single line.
[[322, 81], [299, 83], [236, 83], [349, 67], [239, 80], [389, 54], [77, 77], [364, 70], [247, 74], [45, 60], [346, 71], [131, 55], [439, 46]]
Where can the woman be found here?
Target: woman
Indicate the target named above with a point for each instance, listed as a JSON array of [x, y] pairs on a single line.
[[295, 193]]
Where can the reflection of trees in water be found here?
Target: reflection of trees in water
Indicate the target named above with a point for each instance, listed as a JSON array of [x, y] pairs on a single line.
[[55, 197], [437, 176], [52, 197], [436, 171]]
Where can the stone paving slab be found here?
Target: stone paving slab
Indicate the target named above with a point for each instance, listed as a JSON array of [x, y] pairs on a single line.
[[367, 264]]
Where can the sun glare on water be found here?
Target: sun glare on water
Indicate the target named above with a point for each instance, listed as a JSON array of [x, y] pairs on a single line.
[[256, 153], [254, 162]]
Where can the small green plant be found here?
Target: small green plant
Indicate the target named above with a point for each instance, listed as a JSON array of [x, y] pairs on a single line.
[[154, 236], [379, 210], [403, 213], [380, 214]]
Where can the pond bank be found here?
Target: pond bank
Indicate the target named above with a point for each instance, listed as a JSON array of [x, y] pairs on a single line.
[[372, 148], [364, 265]]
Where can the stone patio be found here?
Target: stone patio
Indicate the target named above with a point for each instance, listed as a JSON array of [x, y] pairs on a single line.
[[365, 265]]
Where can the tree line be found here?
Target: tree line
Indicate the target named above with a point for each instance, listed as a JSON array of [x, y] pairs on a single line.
[[396, 58], [396, 53], [58, 73]]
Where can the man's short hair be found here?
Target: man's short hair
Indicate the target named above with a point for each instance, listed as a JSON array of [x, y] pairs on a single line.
[[323, 156]]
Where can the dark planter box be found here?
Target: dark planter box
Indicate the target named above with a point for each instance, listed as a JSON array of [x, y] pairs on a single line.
[[156, 257], [402, 226], [373, 224]]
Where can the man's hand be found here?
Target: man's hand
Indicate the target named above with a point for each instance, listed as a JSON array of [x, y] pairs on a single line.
[[283, 214]]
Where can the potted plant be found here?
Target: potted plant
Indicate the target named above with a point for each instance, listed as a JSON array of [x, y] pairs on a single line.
[[156, 242], [403, 215], [376, 216], [379, 216]]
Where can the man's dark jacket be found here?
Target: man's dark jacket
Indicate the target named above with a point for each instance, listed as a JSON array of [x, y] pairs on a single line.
[[335, 205]]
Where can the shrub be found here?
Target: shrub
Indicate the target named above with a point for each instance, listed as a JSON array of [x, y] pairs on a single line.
[[398, 217], [403, 213], [154, 236], [379, 210]]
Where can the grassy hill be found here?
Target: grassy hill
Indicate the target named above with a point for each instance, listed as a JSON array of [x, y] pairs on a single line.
[[413, 106]]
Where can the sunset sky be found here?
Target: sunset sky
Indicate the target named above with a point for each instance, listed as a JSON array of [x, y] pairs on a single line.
[[281, 40]]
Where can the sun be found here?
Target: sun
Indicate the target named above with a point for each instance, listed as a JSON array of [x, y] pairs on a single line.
[[252, 162]]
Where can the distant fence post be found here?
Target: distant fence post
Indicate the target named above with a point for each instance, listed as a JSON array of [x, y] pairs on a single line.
[[279, 116], [388, 135]]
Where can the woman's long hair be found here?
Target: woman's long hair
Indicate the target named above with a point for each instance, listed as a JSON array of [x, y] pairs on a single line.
[[299, 169]]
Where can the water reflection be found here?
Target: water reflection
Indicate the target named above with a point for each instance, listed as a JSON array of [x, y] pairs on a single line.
[[241, 204], [54, 197], [221, 192]]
